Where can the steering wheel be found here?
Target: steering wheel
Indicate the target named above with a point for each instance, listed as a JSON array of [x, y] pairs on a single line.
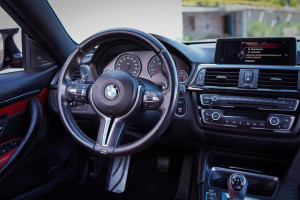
[[117, 96]]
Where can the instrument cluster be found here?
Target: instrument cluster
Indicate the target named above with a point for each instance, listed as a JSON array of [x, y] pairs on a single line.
[[146, 64]]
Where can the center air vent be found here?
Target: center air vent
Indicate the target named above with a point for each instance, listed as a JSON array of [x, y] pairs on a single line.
[[278, 80], [221, 77]]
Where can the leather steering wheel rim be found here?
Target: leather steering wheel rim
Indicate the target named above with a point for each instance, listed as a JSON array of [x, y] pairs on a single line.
[[167, 109]]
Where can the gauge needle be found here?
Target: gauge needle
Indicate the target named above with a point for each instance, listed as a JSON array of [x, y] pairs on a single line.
[[156, 70], [126, 67]]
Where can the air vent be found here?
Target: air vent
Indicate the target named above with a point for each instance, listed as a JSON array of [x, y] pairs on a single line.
[[76, 75], [278, 80], [221, 77]]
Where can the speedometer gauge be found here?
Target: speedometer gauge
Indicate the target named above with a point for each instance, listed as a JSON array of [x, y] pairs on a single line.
[[129, 62], [182, 76], [154, 66]]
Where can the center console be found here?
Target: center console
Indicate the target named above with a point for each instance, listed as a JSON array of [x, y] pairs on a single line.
[[247, 104], [253, 87], [267, 102]]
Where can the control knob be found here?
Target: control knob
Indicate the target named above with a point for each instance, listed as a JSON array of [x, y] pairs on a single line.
[[274, 121], [216, 116]]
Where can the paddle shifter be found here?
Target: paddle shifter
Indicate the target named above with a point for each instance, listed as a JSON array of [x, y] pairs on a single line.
[[237, 186]]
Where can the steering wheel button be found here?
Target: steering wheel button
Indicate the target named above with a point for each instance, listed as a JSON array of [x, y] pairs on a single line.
[[154, 94], [147, 92]]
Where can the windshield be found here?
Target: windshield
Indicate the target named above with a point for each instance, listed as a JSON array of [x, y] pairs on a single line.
[[186, 20]]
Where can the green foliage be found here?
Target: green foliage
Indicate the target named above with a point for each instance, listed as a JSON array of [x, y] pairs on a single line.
[[269, 3], [258, 29]]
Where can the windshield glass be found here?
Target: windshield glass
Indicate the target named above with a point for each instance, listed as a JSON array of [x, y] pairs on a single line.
[[186, 20]]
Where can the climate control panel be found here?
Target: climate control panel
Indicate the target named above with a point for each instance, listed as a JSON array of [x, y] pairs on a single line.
[[248, 120]]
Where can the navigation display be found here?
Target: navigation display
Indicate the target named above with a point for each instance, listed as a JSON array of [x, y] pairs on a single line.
[[256, 51]]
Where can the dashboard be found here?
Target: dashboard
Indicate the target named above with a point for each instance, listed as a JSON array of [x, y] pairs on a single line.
[[224, 104]]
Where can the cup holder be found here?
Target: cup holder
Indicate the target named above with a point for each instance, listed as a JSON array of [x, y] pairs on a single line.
[[258, 184]]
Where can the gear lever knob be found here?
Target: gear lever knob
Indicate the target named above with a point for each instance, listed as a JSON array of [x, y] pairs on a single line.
[[237, 186]]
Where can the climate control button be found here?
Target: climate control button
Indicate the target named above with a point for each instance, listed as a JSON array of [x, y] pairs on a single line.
[[216, 116], [274, 121]]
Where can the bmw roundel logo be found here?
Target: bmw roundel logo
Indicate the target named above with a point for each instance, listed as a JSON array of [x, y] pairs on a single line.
[[112, 91]]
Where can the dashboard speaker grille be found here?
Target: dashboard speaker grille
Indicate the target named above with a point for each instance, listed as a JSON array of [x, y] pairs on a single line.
[[278, 80], [221, 77]]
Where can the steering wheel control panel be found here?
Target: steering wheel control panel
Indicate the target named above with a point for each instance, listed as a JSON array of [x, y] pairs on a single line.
[[248, 120]]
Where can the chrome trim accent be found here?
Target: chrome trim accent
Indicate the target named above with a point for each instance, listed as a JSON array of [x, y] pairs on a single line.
[[118, 174], [108, 119], [194, 89]]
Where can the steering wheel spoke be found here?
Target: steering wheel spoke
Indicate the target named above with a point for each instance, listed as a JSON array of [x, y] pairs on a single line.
[[78, 92], [110, 133]]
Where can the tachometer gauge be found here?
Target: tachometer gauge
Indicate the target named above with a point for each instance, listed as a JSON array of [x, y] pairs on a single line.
[[154, 66], [182, 76], [129, 62]]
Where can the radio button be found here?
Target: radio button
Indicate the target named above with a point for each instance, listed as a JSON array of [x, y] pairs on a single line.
[[290, 107], [224, 98], [206, 97], [214, 98], [205, 101]]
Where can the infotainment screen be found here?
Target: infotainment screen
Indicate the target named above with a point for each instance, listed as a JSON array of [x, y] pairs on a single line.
[[256, 51]]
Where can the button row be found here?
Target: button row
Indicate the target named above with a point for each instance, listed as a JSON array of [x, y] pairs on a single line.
[[272, 122], [261, 102], [151, 100], [78, 92]]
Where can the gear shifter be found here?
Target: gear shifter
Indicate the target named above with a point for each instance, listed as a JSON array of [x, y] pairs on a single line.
[[237, 186]]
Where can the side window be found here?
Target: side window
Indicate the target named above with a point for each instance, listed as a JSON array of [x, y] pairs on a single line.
[[10, 44]]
